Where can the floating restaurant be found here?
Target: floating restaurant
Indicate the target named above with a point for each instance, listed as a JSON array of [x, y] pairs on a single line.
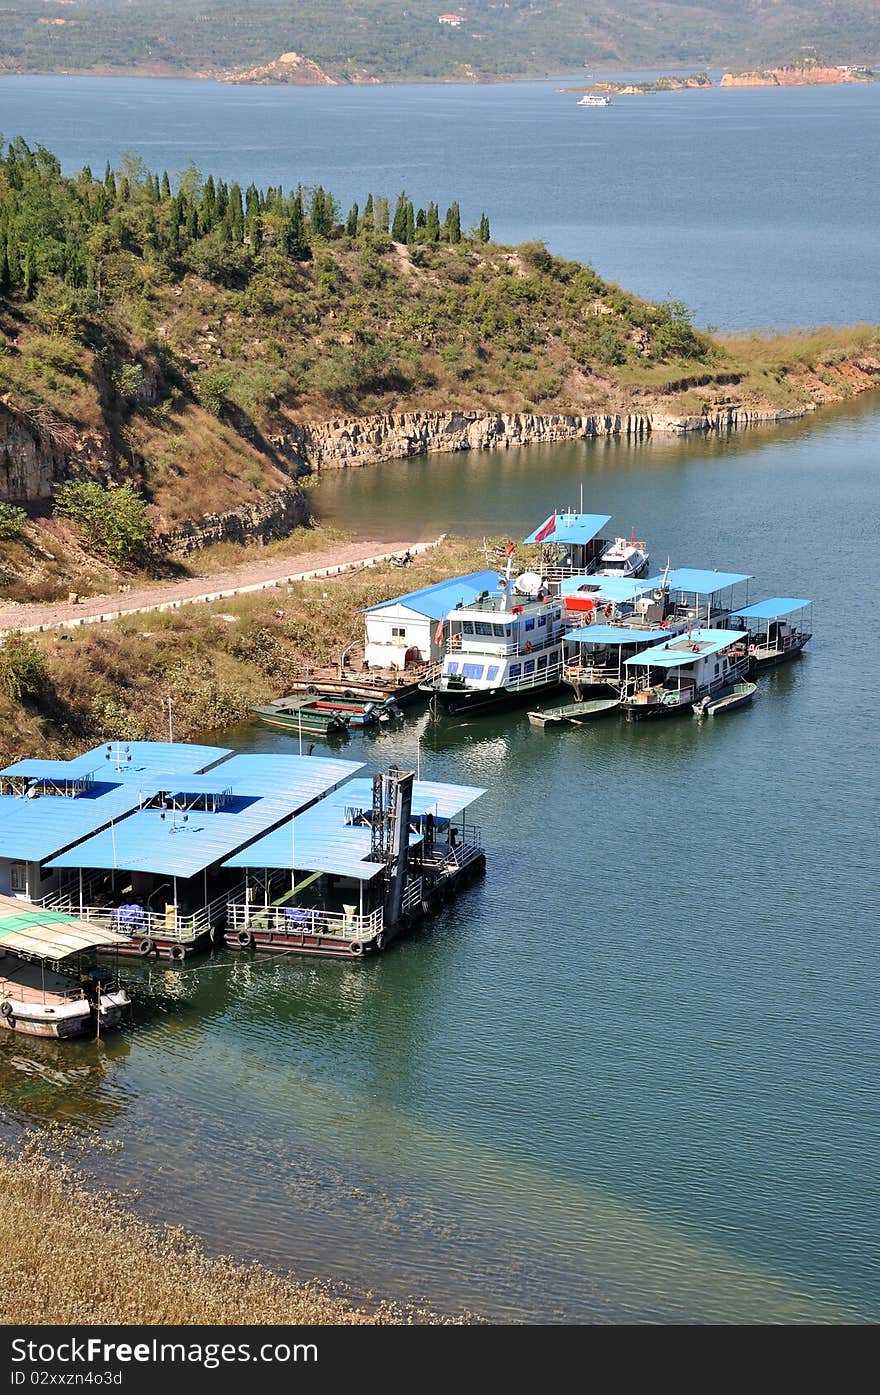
[[158, 874], [348, 874]]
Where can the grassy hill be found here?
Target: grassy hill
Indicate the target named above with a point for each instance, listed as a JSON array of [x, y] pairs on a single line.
[[357, 40], [175, 340]]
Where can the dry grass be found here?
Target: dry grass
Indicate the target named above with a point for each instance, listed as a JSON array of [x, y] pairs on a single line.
[[72, 1256], [802, 347], [108, 682]]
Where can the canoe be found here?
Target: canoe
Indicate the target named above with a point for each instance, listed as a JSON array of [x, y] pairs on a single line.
[[728, 699], [573, 714]]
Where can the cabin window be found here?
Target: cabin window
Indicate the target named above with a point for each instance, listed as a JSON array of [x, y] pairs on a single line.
[[542, 620], [507, 631], [452, 666], [398, 632], [492, 673], [515, 670], [472, 670], [542, 661], [717, 669], [530, 623], [467, 627], [529, 666], [557, 614], [18, 876], [482, 628], [499, 631]]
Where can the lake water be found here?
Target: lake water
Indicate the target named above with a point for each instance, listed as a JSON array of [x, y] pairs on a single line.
[[632, 1074], [757, 206]]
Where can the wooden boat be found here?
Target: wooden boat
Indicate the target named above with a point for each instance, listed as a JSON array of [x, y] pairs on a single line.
[[49, 985], [737, 695], [574, 714], [312, 716]]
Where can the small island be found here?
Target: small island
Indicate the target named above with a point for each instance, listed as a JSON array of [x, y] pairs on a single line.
[[646, 89]]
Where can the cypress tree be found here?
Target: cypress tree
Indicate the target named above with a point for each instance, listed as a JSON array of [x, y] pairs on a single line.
[[295, 242], [398, 225], [432, 222], [110, 181], [421, 221], [30, 272], [452, 223], [484, 228], [410, 224], [369, 221], [351, 224], [166, 185], [380, 215]]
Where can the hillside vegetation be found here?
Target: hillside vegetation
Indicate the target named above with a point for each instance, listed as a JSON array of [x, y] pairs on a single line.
[[171, 340], [364, 40]]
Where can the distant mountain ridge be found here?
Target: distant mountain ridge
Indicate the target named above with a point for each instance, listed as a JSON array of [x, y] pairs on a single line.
[[387, 40]]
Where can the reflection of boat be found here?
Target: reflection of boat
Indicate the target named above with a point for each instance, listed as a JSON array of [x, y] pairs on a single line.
[[726, 699], [624, 557], [48, 984], [573, 714], [594, 99]]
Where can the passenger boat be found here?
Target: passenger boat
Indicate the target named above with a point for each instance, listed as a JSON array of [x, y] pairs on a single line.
[[726, 699], [594, 99], [49, 985], [624, 557], [574, 714], [670, 678], [501, 649], [773, 636], [317, 716]]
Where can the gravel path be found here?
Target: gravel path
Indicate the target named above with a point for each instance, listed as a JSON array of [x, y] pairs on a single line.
[[254, 576]]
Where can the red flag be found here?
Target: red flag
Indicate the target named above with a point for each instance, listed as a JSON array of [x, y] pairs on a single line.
[[549, 527], [438, 633], [511, 548]]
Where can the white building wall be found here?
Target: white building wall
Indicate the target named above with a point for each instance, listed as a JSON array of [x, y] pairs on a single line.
[[394, 629]]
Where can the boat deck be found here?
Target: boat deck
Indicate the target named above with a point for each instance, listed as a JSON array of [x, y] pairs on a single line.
[[31, 984]]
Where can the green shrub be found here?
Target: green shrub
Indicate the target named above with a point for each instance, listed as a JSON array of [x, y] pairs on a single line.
[[116, 521], [23, 672], [12, 520]]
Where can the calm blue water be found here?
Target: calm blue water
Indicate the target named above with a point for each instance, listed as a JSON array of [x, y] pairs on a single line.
[[756, 206], [633, 1074]]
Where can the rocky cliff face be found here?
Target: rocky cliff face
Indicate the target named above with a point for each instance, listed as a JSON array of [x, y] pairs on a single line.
[[273, 516], [33, 456], [336, 445], [789, 77]]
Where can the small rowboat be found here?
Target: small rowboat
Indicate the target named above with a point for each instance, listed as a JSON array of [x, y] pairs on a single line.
[[574, 714], [727, 700]]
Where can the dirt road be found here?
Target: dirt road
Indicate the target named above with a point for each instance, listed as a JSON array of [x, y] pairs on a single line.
[[254, 576]]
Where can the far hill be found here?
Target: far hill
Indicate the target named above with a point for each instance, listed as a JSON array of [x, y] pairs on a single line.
[[343, 41]]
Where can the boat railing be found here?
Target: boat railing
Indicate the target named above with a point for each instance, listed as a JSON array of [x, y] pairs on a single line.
[[446, 858], [138, 923], [591, 673], [412, 893], [305, 920], [69, 889]]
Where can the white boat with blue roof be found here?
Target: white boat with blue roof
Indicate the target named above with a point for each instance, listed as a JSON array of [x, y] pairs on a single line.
[[667, 679], [774, 636]]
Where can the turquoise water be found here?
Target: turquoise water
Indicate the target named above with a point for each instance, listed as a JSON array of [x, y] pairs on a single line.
[[756, 206], [633, 1074]]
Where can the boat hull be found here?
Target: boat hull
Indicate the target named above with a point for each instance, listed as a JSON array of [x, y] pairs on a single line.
[[473, 701], [575, 714], [759, 663]]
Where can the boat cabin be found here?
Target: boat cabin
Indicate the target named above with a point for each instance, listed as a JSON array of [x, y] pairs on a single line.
[[510, 641], [778, 630], [697, 596], [669, 677], [571, 544], [596, 655]]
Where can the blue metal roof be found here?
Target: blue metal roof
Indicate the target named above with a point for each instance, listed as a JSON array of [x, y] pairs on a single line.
[[701, 582], [32, 830], [571, 527], [684, 649], [115, 761], [322, 840], [611, 634], [436, 601], [772, 609], [172, 847]]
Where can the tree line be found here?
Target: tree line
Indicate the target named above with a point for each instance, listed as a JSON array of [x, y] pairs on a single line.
[[51, 225]]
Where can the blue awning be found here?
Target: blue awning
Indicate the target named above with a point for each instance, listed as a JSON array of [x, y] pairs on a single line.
[[571, 527], [435, 602], [772, 609], [701, 582], [612, 634], [685, 649], [609, 588]]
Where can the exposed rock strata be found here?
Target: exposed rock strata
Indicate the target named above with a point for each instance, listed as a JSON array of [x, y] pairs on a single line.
[[344, 442], [273, 516]]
